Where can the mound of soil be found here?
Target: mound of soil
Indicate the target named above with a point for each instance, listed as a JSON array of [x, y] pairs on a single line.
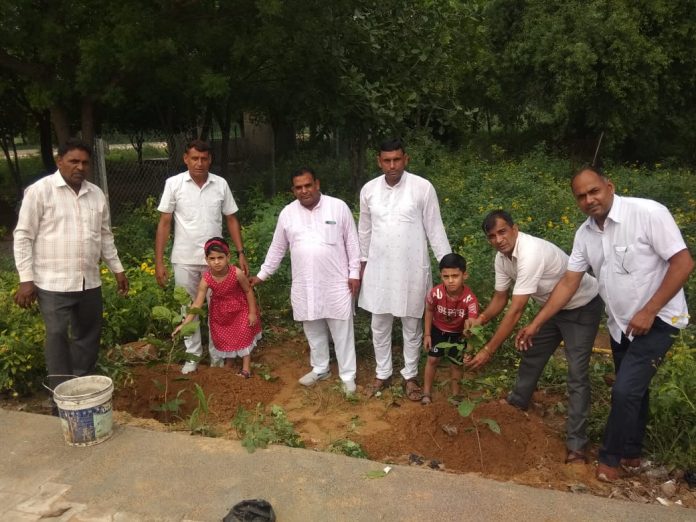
[[529, 449]]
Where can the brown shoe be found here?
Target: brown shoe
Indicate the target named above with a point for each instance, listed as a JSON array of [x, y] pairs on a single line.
[[606, 473], [631, 465], [576, 457]]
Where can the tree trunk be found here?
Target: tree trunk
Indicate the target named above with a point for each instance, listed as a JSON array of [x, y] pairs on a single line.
[[224, 119], [207, 123], [46, 140], [7, 142], [59, 119], [87, 121], [358, 143]]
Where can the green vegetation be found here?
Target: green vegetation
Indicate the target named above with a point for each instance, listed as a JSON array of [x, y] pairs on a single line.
[[348, 447], [259, 429], [534, 189]]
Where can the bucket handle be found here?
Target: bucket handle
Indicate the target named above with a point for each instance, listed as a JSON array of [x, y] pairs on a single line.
[[43, 383]]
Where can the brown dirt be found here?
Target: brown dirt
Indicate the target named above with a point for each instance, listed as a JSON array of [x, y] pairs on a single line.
[[529, 450]]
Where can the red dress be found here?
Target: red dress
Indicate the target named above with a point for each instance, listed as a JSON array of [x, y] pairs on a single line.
[[228, 317]]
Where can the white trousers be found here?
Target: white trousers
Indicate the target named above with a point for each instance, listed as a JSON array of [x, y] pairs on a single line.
[[317, 333], [189, 276], [412, 331]]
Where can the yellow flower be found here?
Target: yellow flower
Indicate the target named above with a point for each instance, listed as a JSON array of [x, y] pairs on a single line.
[[143, 267], [565, 219]]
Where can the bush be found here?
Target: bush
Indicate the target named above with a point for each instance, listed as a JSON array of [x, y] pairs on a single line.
[[672, 429]]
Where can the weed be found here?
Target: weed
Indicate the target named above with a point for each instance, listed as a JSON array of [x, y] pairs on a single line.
[[259, 429], [263, 371], [348, 447], [197, 422]]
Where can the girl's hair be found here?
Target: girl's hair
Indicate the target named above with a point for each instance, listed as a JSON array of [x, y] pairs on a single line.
[[453, 261], [216, 244]]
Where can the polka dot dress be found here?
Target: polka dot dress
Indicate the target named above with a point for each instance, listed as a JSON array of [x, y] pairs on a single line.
[[228, 316]]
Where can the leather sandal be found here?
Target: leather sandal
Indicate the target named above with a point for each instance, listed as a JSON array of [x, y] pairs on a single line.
[[426, 399], [576, 457], [606, 473], [377, 386], [413, 390]]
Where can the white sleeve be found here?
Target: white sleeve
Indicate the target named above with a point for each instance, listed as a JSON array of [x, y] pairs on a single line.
[[364, 226], [432, 221], [277, 250]]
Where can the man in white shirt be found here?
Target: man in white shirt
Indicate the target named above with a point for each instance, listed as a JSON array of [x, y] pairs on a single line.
[[63, 232], [399, 215], [531, 267], [195, 201], [320, 232], [639, 257]]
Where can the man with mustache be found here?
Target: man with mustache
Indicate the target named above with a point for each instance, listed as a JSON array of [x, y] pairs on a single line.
[[636, 251], [399, 216]]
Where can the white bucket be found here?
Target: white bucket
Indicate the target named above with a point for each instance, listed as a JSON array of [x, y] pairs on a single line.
[[84, 405]]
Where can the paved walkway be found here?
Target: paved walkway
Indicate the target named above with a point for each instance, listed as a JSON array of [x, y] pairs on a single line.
[[145, 475]]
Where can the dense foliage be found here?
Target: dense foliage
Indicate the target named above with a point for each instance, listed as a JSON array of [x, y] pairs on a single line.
[[511, 73], [534, 189]]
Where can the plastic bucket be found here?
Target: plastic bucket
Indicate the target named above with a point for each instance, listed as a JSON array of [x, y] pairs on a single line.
[[84, 405]]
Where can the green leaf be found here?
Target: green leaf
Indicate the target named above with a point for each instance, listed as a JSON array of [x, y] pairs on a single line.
[[494, 426], [181, 296], [188, 329], [375, 473], [466, 407], [161, 313]]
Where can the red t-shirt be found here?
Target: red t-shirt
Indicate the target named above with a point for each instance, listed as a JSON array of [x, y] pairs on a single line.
[[449, 313]]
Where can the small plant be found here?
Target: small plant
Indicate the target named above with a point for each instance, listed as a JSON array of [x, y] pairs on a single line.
[[173, 319], [197, 422], [348, 447], [475, 340], [264, 372], [466, 409], [259, 429], [171, 406]]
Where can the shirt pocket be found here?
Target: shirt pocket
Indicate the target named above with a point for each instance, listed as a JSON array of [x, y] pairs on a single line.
[[330, 232], [212, 209], [622, 257]]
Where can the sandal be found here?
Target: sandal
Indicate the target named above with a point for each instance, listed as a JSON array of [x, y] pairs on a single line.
[[244, 373], [576, 457], [413, 390], [426, 399], [377, 386]]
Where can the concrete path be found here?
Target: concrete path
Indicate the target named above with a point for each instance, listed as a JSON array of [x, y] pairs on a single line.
[[145, 475]]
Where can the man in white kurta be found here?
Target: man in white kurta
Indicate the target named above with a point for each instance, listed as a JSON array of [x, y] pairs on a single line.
[[320, 232], [399, 215]]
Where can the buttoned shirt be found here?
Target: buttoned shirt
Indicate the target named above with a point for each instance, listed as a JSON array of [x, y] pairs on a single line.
[[324, 254], [630, 258], [197, 213], [534, 267], [396, 224], [61, 236]]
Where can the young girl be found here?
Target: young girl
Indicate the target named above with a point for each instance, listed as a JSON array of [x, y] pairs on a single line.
[[232, 311]]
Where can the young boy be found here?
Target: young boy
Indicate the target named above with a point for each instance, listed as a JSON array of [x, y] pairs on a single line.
[[447, 306]]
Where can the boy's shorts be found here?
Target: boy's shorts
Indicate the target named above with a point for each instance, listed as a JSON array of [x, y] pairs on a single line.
[[438, 336]]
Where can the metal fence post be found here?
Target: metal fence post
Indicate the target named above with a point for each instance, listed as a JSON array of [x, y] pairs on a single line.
[[100, 165]]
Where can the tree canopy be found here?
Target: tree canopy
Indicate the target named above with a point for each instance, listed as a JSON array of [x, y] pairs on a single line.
[[507, 71]]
